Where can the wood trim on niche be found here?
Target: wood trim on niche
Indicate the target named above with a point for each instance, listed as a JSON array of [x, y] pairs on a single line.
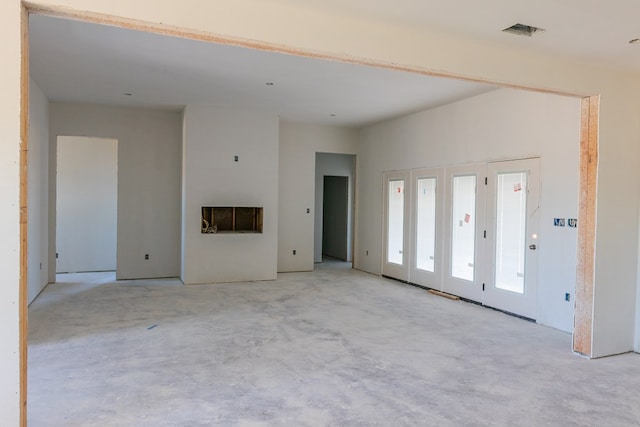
[[583, 317]]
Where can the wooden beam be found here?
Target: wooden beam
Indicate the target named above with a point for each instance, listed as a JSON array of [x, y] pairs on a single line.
[[583, 317], [24, 144]]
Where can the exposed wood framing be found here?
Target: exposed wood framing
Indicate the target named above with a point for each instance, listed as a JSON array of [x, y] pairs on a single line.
[[443, 294], [583, 320], [24, 131]]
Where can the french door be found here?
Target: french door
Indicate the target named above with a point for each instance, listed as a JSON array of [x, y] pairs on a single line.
[[464, 241], [513, 189], [413, 223], [467, 230], [427, 191], [397, 224]]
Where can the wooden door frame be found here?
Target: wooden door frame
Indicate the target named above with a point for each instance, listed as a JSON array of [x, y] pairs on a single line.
[[24, 144], [582, 335]]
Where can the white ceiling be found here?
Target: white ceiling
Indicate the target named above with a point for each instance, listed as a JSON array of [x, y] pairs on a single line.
[[595, 30], [80, 62]]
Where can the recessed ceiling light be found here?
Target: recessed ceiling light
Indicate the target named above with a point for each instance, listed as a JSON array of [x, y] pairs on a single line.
[[634, 41], [523, 30], [127, 94]]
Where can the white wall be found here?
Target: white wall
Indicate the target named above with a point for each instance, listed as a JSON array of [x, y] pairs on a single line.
[[335, 165], [211, 177], [503, 124], [149, 176], [299, 144], [10, 212], [38, 191], [86, 204]]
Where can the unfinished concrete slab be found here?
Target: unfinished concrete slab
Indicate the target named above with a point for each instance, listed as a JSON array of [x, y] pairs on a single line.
[[332, 347]]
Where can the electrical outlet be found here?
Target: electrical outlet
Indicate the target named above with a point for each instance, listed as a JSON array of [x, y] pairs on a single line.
[[235, 158], [367, 253], [567, 296], [294, 251], [146, 256], [308, 210]]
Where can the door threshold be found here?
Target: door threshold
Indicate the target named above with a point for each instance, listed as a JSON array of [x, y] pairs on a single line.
[[467, 300]]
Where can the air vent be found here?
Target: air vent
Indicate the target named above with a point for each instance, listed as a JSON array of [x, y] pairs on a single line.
[[523, 30]]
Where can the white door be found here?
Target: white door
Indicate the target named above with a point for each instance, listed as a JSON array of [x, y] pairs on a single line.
[[396, 219], [464, 243], [426, 244], [513, 194]]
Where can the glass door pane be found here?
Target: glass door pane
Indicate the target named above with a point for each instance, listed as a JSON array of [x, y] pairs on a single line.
[[511, 228], [463, 227], [395, 225], [426, 224]]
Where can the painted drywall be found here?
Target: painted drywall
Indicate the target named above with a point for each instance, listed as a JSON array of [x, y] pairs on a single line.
[[212, 138], [38, 191], [86, 204], [503, 124], [299, 144], [10, 213], [331, 164], [149, 179]]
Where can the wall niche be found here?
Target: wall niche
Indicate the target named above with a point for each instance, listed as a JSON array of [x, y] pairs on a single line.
[[231, 219]]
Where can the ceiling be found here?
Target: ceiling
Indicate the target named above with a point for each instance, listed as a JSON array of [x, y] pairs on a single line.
[[594, 30], [81, 62]]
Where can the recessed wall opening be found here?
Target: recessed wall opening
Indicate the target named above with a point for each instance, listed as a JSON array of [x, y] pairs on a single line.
[[231, 219]]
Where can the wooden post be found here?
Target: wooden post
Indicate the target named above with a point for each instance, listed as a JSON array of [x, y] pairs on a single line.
[[583, 318]]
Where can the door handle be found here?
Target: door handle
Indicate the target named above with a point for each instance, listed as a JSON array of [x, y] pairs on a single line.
[[532, 247]]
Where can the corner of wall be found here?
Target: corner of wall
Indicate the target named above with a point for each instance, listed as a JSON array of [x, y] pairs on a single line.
[[38, 192]]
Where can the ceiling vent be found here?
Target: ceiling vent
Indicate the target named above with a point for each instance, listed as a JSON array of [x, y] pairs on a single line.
[[523, 30]]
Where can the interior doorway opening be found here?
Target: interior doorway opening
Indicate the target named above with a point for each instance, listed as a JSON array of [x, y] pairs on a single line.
[[86, 204], [335, 207]]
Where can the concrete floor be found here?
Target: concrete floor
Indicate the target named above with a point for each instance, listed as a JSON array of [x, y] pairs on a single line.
[[333, 347]]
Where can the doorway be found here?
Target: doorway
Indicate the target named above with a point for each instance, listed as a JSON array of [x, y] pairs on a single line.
[[334, 207], [335, 217], [86, 204]]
